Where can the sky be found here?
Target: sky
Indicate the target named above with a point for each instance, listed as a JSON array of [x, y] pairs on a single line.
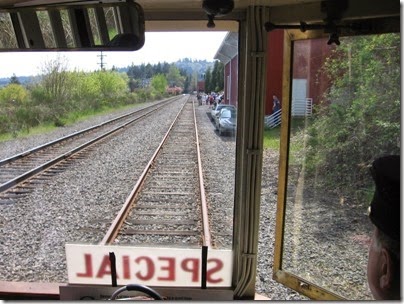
[[158, 47]]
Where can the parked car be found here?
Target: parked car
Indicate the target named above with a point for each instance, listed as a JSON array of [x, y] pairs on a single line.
[[226, 121], [214, 113]]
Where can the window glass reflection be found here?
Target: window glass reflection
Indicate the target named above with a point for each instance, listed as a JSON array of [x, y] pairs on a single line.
[[345, 113], [7, 35]]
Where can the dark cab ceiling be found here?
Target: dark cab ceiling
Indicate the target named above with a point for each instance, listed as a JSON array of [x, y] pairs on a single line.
[[283, 11]]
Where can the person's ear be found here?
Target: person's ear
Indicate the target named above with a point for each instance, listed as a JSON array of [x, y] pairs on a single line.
[[387, 272]]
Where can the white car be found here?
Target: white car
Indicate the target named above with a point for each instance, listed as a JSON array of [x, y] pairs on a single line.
[[226, 121], [214, 113]]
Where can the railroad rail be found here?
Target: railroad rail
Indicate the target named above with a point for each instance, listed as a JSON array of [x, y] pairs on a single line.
[[21, 173], [168, 199]]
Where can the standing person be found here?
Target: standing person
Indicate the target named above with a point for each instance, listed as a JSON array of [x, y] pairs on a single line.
[[383, 270], [210, 99], [204, 99], [276, 106], [199, 96]]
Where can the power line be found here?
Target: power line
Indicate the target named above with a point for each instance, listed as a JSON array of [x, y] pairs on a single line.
[[102, 63]]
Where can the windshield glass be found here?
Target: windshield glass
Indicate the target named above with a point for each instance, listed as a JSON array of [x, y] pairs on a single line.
[[77, 199], [228, 113], [345, 113], [225, 114]]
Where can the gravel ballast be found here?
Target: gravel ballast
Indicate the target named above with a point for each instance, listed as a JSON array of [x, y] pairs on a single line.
[[78, 204]]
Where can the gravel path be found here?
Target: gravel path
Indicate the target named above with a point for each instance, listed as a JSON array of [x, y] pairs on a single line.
[[35, 229]]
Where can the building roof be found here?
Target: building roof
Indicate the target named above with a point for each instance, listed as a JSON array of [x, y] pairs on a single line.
[[228, 49]]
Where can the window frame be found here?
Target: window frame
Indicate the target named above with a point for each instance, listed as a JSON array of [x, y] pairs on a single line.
[[299, 284]]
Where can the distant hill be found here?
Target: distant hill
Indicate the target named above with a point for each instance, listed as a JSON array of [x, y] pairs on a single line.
[[191, 66], [22, 79], [187, 64]]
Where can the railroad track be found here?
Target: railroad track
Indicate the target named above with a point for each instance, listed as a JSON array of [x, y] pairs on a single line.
[[168, 200], [21, 173]]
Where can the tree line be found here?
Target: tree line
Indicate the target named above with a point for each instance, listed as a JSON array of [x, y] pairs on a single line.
[[59, 95], [214, 78], [184, 73]]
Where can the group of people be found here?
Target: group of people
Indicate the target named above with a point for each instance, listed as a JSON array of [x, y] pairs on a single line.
[[209, 99]]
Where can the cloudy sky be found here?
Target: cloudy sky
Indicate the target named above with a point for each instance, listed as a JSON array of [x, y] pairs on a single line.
[[159, 47]]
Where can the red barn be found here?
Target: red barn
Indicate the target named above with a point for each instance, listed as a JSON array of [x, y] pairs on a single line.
[[309, 84]]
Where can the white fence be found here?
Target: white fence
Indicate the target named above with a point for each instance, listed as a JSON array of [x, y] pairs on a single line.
[[300, 107], [274, 119]]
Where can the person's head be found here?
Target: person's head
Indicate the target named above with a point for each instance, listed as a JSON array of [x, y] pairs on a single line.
[[384, 253]]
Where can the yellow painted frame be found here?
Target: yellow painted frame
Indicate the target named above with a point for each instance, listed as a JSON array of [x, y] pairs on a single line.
[[302, 286]]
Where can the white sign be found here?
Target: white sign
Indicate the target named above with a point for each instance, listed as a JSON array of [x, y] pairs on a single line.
[[90, 264]]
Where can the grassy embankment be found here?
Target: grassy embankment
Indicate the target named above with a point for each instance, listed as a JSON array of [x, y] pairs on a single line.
[[69, 120]]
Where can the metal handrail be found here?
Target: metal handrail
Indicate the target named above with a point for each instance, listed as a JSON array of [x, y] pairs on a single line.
[[274, 119]]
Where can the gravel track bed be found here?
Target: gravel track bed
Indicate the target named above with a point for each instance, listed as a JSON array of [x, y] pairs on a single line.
[[77, 205], [178, 154], [35, 229], [219, 185]]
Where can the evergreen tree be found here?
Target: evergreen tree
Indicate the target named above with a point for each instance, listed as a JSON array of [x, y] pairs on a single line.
[[220, 77], [215, 76], [208, 81], [14, 80], [187, 84]]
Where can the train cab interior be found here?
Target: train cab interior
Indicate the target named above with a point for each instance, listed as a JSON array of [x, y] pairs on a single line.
[[334, 58]]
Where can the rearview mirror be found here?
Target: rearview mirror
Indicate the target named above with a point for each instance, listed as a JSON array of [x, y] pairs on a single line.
[[95, 27]]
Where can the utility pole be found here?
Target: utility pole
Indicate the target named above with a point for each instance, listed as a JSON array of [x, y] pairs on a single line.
[[101, 63]]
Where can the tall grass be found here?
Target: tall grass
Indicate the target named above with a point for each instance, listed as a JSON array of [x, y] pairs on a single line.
[[70, 119], [272, 138]]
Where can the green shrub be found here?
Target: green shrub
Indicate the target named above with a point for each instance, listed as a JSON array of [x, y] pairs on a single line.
[[360, 118]]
